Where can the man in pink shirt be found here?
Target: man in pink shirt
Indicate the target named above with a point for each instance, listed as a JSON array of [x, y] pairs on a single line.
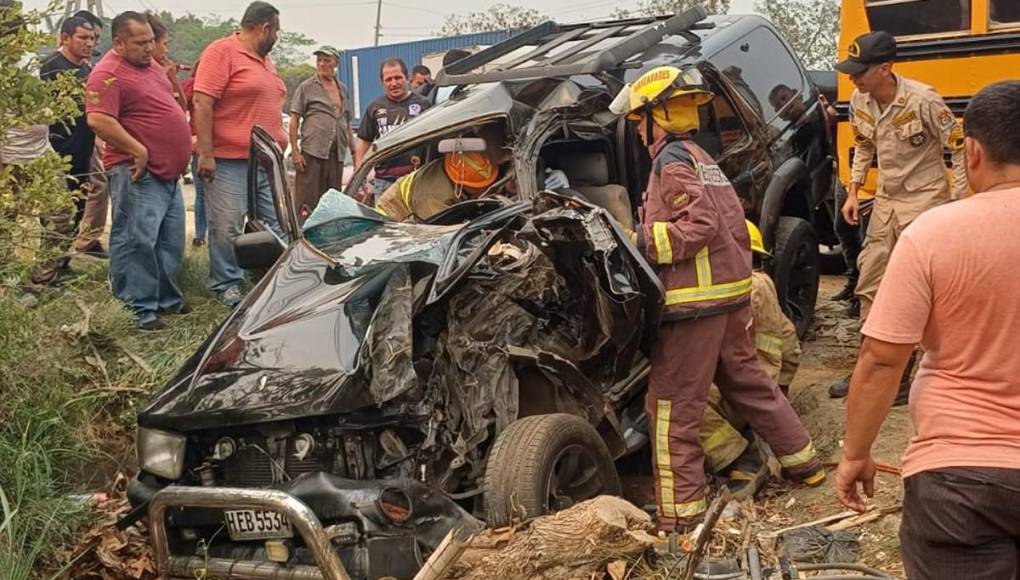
[[130, 105], [951, 286], [236, 88]]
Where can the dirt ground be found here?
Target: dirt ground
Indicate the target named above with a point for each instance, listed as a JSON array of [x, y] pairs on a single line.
[[829, 355]]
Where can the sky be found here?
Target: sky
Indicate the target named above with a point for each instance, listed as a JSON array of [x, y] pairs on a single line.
[[349, 23]]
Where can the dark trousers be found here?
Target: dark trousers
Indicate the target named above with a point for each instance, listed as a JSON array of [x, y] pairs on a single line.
[[849, 236], [318, 177], [962, 522]]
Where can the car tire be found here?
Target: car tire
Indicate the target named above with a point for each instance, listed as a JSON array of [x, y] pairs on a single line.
[[529, 458], [796, 270]]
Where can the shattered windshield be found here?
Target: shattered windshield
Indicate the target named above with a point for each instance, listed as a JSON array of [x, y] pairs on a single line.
[[357, 237]]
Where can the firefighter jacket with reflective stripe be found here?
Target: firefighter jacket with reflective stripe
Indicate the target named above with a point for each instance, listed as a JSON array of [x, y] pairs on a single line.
[[775, 336], [422, 193], [693, 229]]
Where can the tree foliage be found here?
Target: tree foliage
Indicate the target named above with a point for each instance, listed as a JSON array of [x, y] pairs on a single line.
[[190, 34], [662, 7], [36, 188], [811, 27], [494, 18]]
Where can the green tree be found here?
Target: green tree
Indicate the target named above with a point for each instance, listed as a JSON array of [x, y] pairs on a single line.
[[811, 27], [36, 188], [663, 7], [292, 76], [494, 18]]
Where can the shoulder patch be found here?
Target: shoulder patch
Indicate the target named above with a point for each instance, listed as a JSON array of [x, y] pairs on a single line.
[[946, 120], [673, 152], [711, 175], [904, 118]]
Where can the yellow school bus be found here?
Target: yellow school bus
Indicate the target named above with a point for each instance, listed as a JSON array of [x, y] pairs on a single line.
[[956, 46]]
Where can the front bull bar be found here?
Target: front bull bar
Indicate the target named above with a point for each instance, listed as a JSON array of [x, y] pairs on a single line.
[[300, 515]]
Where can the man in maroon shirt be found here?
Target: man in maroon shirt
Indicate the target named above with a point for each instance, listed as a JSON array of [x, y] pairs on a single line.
[[131, 106]]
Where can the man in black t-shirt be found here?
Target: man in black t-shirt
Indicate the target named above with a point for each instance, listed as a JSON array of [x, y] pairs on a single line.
[[384, 114], [75, 139]]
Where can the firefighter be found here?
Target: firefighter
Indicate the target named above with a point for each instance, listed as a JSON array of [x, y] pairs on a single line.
[[729, 445], [452, 178], [692, 228]]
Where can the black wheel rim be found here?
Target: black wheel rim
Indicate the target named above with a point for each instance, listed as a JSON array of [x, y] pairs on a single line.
[[574, 477], [802, 285]]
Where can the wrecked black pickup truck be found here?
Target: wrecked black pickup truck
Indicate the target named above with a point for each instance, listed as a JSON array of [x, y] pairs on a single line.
[[386, 383]]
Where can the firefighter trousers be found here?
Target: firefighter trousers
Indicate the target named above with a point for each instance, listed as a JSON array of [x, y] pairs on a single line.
[[688, 356]]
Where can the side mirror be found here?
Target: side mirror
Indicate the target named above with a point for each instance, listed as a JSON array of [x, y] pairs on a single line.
[[258, 250]]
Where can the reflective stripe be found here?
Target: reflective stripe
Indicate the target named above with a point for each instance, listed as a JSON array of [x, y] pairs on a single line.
[[705, 290], [769, 344], [703, 268], [662, 459], [405, 189], [379, 209], [715, 292], [799, 458], [663, 251], [717, 438], [691, 508], [816, 478]]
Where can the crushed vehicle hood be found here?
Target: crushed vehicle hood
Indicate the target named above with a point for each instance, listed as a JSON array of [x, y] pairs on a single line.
[[331, 329]]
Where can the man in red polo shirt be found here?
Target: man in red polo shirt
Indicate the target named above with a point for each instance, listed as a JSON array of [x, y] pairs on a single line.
[[236, 88], [130, 105]]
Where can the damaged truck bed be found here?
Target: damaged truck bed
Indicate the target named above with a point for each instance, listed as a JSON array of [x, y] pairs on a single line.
[[390, 377]]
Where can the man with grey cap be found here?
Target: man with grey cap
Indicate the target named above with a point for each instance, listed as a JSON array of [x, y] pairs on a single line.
[[906, 125], [320, 132]]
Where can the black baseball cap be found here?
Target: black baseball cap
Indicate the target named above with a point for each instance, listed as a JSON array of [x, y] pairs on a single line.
[[868, 50]]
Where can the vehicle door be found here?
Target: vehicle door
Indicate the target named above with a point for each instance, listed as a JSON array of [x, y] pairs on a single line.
[[265, 161]]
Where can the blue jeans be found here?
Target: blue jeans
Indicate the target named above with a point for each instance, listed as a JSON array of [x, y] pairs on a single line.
[[200, 222], [146, 242], [226, 204]]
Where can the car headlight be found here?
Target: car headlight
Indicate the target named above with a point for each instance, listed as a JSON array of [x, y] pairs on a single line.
[[161, 452]]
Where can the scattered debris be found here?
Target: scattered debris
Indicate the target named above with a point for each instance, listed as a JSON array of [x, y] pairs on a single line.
[[816, 544], [106, 553], [580, 542]]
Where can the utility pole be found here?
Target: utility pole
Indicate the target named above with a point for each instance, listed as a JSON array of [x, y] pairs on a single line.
[[378, 20], [72, 6]]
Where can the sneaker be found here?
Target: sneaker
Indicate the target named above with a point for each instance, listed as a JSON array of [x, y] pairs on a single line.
[[847, 292], [152, 325], [95, 251], [840, 388], [182, 309], [231, 296]]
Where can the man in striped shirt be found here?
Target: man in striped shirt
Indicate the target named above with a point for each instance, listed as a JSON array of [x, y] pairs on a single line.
[[236, 88]]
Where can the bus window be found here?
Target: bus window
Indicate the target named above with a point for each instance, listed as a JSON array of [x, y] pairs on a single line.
[[916, 17], [1002, 12]]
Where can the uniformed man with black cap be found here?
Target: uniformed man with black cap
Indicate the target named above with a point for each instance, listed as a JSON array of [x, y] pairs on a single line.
[[906, 124]]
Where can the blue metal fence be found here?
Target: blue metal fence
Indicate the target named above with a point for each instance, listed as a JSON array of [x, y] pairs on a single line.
[[359, 67]]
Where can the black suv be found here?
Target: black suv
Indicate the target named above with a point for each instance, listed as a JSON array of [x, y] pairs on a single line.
[[385, 383], [552, 84]]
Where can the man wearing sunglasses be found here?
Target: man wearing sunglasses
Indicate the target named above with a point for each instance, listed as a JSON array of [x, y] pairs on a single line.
[[906, 125], [692, 230]]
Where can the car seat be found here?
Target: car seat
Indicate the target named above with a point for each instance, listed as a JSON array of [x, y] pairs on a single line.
[[588, 172]]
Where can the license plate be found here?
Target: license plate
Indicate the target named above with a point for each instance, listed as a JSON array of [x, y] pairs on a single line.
[[257, 525]]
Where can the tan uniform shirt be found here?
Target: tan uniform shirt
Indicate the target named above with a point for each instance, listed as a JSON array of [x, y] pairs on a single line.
[[908, 137]]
